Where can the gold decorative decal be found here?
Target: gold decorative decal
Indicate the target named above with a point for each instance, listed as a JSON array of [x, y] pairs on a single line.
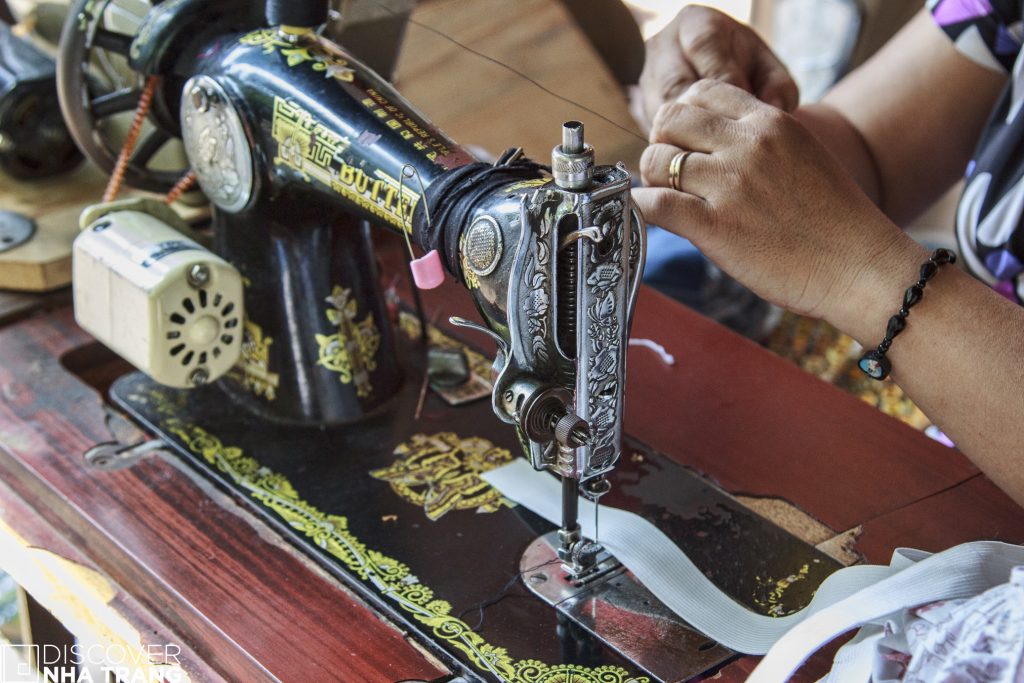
[[253, 368], [316, 151], [526, 184], [323, 59], [385, 575], [352, 350], [398, 120], [441, 473], [471, 278], [770, 591]]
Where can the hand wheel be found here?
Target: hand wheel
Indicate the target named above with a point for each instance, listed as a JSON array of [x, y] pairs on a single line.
[[99, 91]]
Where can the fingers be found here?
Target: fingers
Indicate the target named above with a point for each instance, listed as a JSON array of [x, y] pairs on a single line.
[[677, 212], [707, 38], [691, 127], [723, 99], [702, 43], [661, 86], [773, 83], [696, 174]]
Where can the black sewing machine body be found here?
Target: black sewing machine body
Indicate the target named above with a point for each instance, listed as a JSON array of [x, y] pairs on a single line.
[[302, 149]]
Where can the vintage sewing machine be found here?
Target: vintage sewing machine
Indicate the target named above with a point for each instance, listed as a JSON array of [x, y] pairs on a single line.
[[273, 364]]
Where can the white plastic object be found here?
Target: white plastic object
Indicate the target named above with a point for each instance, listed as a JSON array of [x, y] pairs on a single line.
[[163, 302]]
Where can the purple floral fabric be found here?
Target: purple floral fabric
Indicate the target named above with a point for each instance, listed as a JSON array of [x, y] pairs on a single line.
[[989, 218]]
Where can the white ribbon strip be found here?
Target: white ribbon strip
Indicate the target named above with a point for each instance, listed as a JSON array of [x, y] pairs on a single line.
[[659, 564], [668, 573]]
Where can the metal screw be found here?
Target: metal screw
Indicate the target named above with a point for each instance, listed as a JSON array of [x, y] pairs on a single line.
[[597, 487], [198, 275], [200, 99], [199, 377], [538, 577], [508, 396]]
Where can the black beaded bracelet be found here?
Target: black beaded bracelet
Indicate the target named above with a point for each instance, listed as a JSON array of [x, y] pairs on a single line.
[[874, 364]]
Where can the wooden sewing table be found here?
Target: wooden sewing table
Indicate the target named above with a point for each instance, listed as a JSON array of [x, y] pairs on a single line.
[[154, 554], [183, 563]]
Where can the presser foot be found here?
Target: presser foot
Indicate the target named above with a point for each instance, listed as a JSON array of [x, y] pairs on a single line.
[[610, 604], [582, 560]]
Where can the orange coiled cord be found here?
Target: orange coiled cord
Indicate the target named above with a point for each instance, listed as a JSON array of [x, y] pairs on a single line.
[[117, 177], [183, 185]]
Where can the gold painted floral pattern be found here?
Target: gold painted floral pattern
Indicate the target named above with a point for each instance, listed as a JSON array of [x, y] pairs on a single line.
[[441, 473], [387, 576]]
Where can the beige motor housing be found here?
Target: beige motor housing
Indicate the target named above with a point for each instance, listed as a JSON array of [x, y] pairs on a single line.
[[162, 301]]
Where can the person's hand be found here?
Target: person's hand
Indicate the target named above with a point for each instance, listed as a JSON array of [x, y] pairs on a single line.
[[762, 198], [704, 43]]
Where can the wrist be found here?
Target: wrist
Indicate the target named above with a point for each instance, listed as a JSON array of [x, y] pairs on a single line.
[[877, 286]]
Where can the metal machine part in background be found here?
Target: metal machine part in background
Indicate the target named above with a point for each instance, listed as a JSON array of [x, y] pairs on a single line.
[[100, 84], [15, 230], [34, 141]]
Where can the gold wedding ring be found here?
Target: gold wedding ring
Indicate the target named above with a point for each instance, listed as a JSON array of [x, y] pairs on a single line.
[[675, 171]]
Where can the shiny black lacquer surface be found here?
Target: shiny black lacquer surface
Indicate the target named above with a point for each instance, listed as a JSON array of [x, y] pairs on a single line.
[[468, 557], [334, 148]]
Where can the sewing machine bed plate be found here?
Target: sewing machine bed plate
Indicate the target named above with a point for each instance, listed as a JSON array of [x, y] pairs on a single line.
[[395, 509]]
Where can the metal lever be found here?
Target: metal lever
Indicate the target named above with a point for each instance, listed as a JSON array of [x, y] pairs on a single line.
[[477, 327], [113, 455]]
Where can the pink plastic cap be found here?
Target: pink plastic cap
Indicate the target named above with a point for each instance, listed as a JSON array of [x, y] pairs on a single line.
[[427, 272]]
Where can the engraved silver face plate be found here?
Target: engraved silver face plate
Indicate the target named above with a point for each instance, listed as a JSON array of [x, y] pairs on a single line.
[[610, 262], [483, 245], [15, 230], [216, 144]]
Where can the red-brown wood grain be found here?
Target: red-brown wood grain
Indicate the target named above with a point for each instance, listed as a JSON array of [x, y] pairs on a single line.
[[37, 534], [251, 608]]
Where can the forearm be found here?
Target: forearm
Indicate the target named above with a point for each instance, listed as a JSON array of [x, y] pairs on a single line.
[[960, 358], [846, 144], [919, 107]]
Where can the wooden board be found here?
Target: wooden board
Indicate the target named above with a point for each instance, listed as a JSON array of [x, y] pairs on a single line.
[[44, 262], [248, 606], [478, 102]]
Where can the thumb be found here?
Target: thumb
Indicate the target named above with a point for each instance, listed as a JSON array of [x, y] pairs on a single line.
[[684, 214]]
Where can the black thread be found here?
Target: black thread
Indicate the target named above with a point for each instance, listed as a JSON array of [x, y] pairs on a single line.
[[454, 196], [500, 595], [513, 70]]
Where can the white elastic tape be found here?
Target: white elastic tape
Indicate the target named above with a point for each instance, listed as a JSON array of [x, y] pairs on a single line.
[[667, 572], [846, 599], [854, 660]]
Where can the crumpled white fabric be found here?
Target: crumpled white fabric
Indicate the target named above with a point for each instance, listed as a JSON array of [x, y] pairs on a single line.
[[979, 640], [967, 640]]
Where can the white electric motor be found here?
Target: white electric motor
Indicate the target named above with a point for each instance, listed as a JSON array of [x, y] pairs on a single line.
[[160, 300]]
